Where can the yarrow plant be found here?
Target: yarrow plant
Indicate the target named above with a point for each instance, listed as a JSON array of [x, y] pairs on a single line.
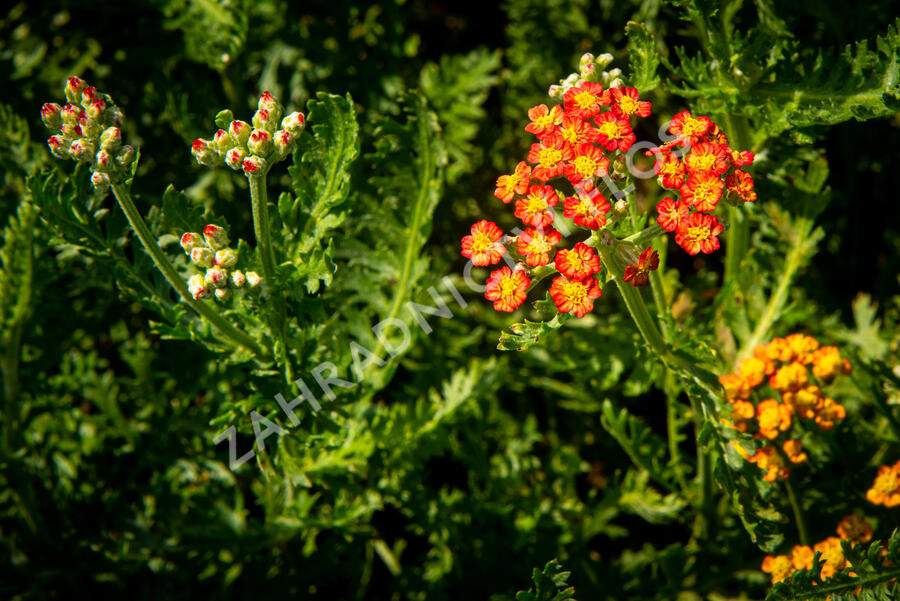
[[212, 253], [584, 144]]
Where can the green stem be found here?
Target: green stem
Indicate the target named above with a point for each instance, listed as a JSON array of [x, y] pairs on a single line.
[[798, 514], [739, 228], [165, 267], [705, 520], [659, 297]]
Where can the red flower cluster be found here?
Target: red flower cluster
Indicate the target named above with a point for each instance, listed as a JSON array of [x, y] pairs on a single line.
[[708, 169], [572, 142]]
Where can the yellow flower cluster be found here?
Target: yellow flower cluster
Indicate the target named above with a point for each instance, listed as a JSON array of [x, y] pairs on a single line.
[[794, 368], [852, 528], [886, 488]]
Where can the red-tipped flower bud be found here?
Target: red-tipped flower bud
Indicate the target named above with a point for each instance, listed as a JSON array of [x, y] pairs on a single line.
[[125, 156], [238, 280], [253, 279], [69, 114], [240, 131], [95, 109], [254, 166], [111, 139], [226, 258], [74, 86], [100, 181], [197, 287], [81, 149], [284, 143], [190, 241], [58, 147], [216, 237], [50, 115], [202, 257], [223, 141], [216, 276], [223, 294], [204, 154], [88, 95], [234, 158], [103, 161], [262, 119], [260, 142], [294, 123]]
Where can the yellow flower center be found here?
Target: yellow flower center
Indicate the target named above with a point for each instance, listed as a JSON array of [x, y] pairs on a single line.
[[508, 288], [544, 121], [511, 182], [610, 129], [585, 165], [549, 157], [576, 261], [585, 100], [627, 105], [886, 483], [538, 244], [481, 242], [698, 234], [575, 292], [536, 204], [702, 162], [706, 190], [692, 127], [569, 134], [769, 418]]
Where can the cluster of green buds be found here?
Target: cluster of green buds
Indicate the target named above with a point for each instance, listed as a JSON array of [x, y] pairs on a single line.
[[212, 253], [590, 69], [251, 148], [88, 129]]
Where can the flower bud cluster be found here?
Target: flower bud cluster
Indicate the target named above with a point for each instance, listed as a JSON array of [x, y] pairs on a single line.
[[590, 69], [251, 147], [211, 252], [88, 129]]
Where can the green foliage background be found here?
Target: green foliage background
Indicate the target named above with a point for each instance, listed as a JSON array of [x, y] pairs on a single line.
[[454, 469]]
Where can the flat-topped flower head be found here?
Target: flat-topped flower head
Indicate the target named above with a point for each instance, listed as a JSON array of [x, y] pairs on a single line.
[[549, 157], [613, 132], [686, 126], [543, 120], [588, 162], [534, 208], [702, 191], [698, 233], [585, 101], [886, 487], [507, 289], [671, 213], [626, 102], [741, 185], [855, 528], [588, 209], [535, 245], [574, 296], [483, 244]]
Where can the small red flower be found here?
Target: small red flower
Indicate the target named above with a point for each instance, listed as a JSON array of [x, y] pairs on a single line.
[[684, 125], [741, 184], [507, 289], [614, 133], [671, 213], [707, 157], [584, 101], [482, 245], [575, 131], [535, 245], [625, 103], [698, 233], [671, 171], [741, 157], [588, 162], [544, 120], [578, 263], [574, 296], [588, 210], [534, 208], [549, 157], [702, 191], [637, 273], [515, 183]]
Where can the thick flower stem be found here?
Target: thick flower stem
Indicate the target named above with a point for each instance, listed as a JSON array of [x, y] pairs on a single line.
[[739, 228], [168, 270]]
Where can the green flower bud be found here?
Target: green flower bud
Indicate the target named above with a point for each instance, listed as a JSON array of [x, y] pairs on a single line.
[[74, 86], [202, 257], [111, 139], [223, 294], [226, 258], [216, 237], [217, 277], [253, 279], [190, 241], [81, 149], [238, 280], [234, 158], [223, 118], [240, 131], [100, 181], [222, 141], [260, 142], [197, 287], [125, 156], [103, 161], [50, 116]]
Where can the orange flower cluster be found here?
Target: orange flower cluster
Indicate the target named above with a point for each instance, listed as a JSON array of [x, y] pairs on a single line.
[[851, 527], [705, 167], [782, 369], [886, 488]]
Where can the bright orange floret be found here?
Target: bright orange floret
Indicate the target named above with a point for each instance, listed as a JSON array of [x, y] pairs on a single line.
[[575, 296], [507, 289], [832, 554], [805, 402], [585, 101], [802, 557], [684, 125], [588, 162], [707, 157], [671, 171], [739, 158], [741, 184], [702, 191], [827, 363], [794, 451], [773, 418], [779, 566], [671, 213], [735, 387], [754, 370], [790, 377], [614, 133], [588, 210], [801, 347], [515, 183], [626, 102], [534, 208], [854, 528], [638, 273], [830, 412], [575, 131], [543, 120], [549, 157], [535, 245], [698, 233], [578, 263], [886, 488], [482, 245], [742, 413], [768, 459]]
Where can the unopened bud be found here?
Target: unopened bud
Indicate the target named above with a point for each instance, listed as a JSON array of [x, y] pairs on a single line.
[[223, 294], [223, 141], [197, 287], [234, 158], [111, 139], [269, 103], [604, 60], [202, 257], [216, 236], [81, 149], [70, 130], [95, 109], [103, 161], [202, 151], [74, 86], [260, 142], [586, 59], [627, 252], [57, 147], [238, 280], [190, 241], [226, 258], [50, 115], [113, 117], [216, 276], [91, 128], [125, 156], [253, 279], [240, 131], [284, 143], [88, 95], [294, 123], [262, 119], [254, 166], [223, 118], [100, 181], [555, 91], [588, 70], [69, 114]]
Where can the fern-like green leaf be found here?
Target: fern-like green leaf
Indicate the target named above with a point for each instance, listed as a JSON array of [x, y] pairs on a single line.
[[550, 584]]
